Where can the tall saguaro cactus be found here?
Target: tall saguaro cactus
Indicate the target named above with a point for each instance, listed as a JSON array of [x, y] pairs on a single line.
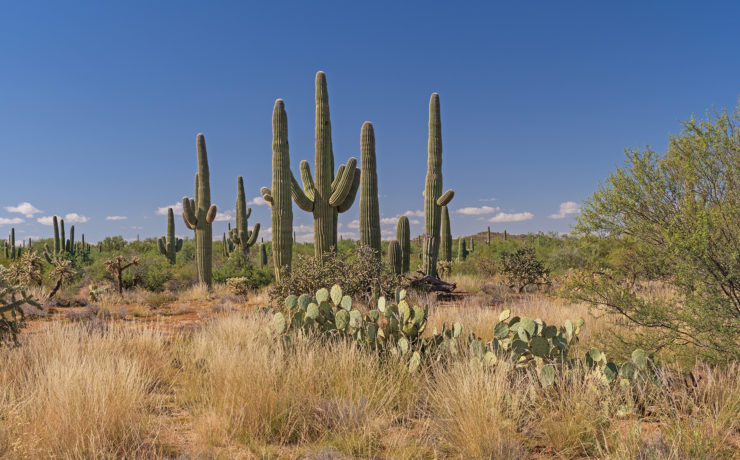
[[279, 196], [11, 243], [240, 235], [199, 214], [170, 245], [369, 207], [57, 246], [327, 194], [394, 257], [434, 199], [63, 241], [445, 247], [403, 236]]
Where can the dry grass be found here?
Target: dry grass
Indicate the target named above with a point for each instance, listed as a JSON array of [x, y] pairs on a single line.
[[230, 390]]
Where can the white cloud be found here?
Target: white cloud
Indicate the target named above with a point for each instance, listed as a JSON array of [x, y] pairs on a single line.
[[14, 220], [488, 199], [417, 213], [472, 211], [515, 217], [257, 201], [71, 218], [176, 208], [414, 222], [116, 218], [223, 216], [389, 220], [74, 218], [566, 208], [25, 208], [354, 224]]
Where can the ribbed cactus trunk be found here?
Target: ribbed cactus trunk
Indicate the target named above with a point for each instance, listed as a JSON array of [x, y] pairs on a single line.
[[11, 242], [325, 195], [199, 214], [394, 257], [369, 207], [170, 245], [279, 197], [462, 253], [72, 239], [240, 236], [445, 244], [62, 237], [433, 197], [57, 246], [263, 255], [403, 236]]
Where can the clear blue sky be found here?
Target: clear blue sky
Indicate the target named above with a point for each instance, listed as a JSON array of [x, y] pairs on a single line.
[[100, 102]]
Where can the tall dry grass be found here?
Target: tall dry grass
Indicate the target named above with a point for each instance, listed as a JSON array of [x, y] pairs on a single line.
[[230, 390]]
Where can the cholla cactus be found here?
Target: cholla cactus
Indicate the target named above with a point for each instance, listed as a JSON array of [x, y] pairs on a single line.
[[12, 318], [117, 265]]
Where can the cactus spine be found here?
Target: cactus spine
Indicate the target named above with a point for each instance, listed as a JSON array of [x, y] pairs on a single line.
[[170, 245], [327, 194], [369, 207], [403, 236], [280, 195], [445, 244], [199, 214], [394, 257], [434, 199], [241, 236]]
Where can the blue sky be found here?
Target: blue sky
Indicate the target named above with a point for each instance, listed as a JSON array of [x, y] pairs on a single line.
[[100, 102]]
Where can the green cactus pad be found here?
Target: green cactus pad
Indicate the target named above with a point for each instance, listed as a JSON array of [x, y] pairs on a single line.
[[381, 304], [504, 315], [628, 370], [278, 323], [291, 302], [547, 375], [414, 362], [456, 330], [312, 311], [639, 357], [610, 372], [346, 302], [336, 294], [355, 319], [322, 295], [501, 330], [342, 319], [403, 345], [540, 346], [549, 332]]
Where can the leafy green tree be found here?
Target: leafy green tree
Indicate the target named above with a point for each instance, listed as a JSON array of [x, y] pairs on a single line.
[[677, 216], [522, 268]]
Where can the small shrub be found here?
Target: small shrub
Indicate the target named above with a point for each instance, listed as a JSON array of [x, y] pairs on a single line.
[[522, 268]]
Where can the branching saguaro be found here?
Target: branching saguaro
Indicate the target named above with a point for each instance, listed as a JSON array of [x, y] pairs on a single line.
[[434, 199], [240, 235], [199, 214], [169, 245], [116, 267], [327, 194], [278, 197]]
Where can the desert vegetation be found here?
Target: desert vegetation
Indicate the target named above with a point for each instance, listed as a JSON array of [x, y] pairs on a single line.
[[617, 341]]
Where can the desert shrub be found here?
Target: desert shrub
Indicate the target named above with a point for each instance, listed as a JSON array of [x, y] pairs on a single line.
[[12, 318], [238, 266], [679, 212], [360, 273], [151, 274], [522, 268]]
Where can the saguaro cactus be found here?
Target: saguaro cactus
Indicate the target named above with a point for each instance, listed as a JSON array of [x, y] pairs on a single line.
[[63, 241], [11, 243], [434, 199], [403, 236], [279, 196], [369, 207], [240, 235], [199, 214], [57, 246], [263, 255], [462, 252], [488, 238], [327, 194], [71, 243], [445, 244], [394, 257], [169, 245]]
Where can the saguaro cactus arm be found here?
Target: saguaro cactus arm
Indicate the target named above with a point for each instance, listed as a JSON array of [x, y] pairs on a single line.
[[300, 197], [350, 199], [445, 199], [188, 213], [343, 183]]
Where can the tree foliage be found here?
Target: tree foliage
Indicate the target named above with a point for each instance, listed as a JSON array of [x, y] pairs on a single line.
[[677, 217]]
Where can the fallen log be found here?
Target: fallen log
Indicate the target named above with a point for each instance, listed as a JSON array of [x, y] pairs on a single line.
[[426, 282]]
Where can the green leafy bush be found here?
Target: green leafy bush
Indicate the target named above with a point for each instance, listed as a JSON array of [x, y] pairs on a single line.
[[522, 268]]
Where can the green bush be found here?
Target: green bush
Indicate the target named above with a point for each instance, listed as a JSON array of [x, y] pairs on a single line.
[[522, 268], [238, 266]]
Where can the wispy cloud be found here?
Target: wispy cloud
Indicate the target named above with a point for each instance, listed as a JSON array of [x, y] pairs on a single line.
[[354, 224], [566, 208], [389, 220], [514, 217], [116, 218], [223, 216], [25, 208], [11, 221], [257, 201], [71, 218], [417, 213], [473, 211], [487, 199], [176, 208]]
